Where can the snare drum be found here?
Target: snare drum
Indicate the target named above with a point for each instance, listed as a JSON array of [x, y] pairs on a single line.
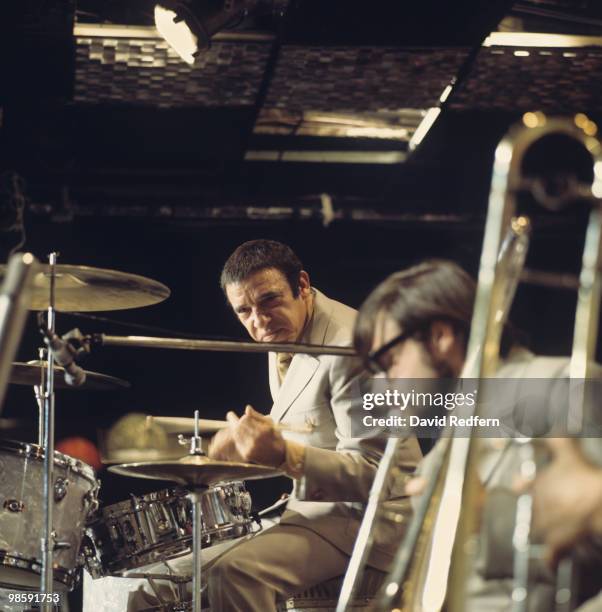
[[156, 527], [22, 514]]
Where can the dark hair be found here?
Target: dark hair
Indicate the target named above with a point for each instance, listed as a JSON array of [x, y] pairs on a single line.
[[255, 255], [435, 290]]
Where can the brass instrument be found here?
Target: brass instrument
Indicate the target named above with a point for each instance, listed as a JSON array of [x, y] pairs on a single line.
[[432, 564]]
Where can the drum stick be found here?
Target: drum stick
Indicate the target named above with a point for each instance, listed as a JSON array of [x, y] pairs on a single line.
[[186, 425]]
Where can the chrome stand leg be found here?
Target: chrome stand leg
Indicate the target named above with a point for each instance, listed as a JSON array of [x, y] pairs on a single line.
[[197, 525], [47, 540]]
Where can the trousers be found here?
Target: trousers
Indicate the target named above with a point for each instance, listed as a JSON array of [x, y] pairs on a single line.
[[281, 561]]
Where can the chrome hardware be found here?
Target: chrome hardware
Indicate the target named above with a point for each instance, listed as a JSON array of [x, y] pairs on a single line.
[[14, 505], [60, 488]]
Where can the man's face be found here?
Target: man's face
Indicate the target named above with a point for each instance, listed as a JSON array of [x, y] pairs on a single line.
[[265, 305], [406, 359]]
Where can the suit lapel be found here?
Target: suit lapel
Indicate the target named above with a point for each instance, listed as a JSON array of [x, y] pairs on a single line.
[[303, 367], [300, 372]]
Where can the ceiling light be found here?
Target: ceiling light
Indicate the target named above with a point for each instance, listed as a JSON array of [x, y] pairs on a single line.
[[188, 25]]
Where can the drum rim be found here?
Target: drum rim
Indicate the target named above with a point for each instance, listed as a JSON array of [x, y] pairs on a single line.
[[67, 577], [37, 452], [117, 567], [165, 495]]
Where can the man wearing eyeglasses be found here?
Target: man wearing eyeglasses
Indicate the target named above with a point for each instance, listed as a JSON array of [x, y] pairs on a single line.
[[272, 297], [415, 324]]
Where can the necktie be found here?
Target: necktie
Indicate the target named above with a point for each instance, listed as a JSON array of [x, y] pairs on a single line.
[[283, 361]]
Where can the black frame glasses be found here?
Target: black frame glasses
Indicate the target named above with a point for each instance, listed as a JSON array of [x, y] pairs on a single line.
[[373, 360]]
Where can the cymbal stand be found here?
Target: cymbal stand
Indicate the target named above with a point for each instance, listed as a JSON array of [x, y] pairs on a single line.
[[39, 393], [197, 524], [47, 544]]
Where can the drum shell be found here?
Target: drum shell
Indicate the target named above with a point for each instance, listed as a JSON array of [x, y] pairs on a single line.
[[74, 490], [157, 527]]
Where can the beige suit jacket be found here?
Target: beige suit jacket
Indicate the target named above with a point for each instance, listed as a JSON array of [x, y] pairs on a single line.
[[324, 391]]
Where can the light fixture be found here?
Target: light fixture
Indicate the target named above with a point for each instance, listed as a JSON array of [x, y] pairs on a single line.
[[188, 25]]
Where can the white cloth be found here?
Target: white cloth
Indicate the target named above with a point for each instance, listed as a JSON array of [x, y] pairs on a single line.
[[127, 594]]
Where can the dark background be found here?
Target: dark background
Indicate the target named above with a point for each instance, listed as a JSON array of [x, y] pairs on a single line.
[[165, 191], [163, 188]]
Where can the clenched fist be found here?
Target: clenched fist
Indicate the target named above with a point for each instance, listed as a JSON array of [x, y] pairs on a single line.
[[252, 438]]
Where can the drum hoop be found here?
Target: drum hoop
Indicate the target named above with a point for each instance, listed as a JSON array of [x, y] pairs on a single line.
[[231, 529], [177, 546], [137, 502], [69, 578], [36, 452], [148, 556]]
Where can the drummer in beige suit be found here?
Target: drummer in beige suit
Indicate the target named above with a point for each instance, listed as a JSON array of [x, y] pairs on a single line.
[[272, 296]]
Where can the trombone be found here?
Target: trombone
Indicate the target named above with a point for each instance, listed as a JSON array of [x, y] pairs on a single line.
[[431, 566], [508, 182]]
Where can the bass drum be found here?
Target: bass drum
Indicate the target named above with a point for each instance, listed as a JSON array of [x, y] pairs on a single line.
[[75, 491]]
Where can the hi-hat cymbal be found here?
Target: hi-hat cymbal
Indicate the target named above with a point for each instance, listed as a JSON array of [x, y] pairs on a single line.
[[30, 374], [85, 289], [195, 470]]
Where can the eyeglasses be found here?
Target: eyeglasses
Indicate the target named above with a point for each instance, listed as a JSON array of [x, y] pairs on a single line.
[[375, 362]]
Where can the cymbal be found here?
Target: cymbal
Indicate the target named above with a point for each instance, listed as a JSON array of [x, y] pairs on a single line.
[[85, 289], [29, 374], [195, 470]]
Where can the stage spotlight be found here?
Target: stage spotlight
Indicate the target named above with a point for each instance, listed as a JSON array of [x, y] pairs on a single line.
[[188, 25]]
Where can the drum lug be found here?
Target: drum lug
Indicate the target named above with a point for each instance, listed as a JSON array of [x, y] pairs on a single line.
[[61, 545], [14, 505], [60, 488], [90, 499]]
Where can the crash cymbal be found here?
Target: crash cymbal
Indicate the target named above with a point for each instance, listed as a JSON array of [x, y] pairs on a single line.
[[85, 289], [30, 374], [195, 470]]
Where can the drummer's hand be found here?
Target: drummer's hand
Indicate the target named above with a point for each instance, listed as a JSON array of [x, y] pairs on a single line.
[[222, 446], [256, 438]]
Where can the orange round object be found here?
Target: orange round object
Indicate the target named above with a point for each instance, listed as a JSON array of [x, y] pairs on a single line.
[[80, 448]]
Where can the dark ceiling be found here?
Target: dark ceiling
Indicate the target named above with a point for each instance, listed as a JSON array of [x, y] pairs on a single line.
[[98, 124]]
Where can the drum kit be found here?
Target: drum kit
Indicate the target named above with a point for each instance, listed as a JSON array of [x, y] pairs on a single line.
[[56, 501]]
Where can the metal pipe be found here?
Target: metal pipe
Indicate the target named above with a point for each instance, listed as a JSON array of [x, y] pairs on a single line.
[[363, 541], [221, 345], [47, 544], [195, 498]]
